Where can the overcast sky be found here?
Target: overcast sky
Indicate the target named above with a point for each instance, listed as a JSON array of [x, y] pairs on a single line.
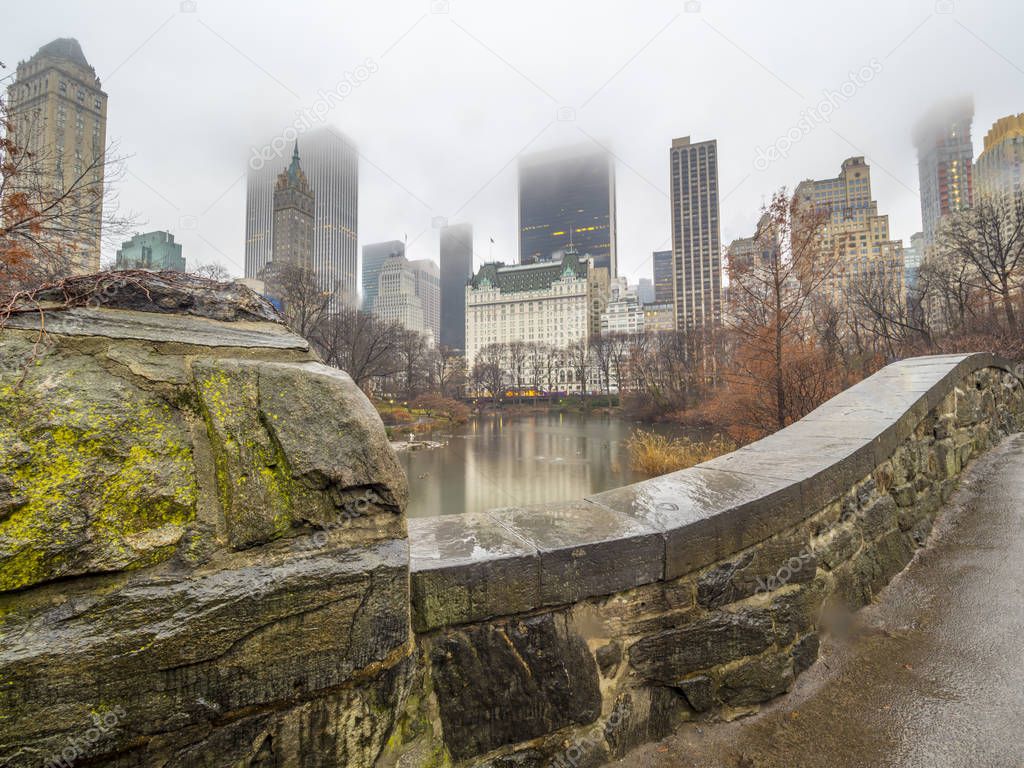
[[459, 89]]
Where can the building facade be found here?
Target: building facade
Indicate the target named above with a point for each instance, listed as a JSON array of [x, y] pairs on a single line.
[[696, 234], [428, 289], [59, 114], [554, 303], [331, 164], [374, 256], [624, 315], [567, 196], [396, 300], [294, 210], [663, 283], [945, 157], [409, 293], [456, 270], [659, 317], [152, 250], [855, 237], [999, 170]]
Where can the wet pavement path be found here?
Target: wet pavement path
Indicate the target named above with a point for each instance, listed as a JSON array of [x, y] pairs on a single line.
[[932, 675]]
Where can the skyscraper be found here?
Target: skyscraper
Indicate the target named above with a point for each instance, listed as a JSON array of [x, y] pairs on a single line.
[[331, 164], [855, 237], [567, 195], [944, 162], [456, 269], [374, 256], [409, 293], [428, 289], [294, 206], [663, 290], [696, 234], [1000, 166], [59, 113]]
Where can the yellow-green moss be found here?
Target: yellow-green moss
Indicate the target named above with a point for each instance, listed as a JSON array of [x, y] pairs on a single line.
[[78, 486]]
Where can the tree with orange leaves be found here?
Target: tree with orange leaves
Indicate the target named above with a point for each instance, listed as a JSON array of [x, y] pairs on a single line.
[[777, 371]]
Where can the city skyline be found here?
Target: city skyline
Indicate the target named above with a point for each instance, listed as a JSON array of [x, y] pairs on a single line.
[[407, 184]]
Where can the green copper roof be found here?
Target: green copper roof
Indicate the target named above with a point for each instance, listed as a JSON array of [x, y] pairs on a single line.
[[532, 277]]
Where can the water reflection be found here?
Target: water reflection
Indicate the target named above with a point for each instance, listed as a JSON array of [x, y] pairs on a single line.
[[498, 460]]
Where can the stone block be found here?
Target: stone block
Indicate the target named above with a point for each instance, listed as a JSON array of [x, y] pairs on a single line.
[[756, 680], [586, 549], [780, 560], [467, 568], [511, 681], [669, 657]]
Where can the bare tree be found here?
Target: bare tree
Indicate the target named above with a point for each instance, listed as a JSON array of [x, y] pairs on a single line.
[[577, 356], [212, 271], [304, 302], [489, 370], [769, 303], [448, 371], [413, 354], [517, 355], [990, 237], [360, 344]]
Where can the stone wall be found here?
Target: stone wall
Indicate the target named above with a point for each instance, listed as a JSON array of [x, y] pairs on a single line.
[[203, 556], [567, 634]]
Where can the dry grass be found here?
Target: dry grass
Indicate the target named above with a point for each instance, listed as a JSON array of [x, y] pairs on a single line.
[[652, 454]]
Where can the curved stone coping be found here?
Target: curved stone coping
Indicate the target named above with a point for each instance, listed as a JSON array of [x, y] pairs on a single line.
[[470, 567]]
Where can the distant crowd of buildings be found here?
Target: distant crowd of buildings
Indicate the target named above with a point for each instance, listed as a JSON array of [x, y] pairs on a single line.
[[564, 286]]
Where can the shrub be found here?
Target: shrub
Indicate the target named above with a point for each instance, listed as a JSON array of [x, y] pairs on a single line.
[[653, 454]]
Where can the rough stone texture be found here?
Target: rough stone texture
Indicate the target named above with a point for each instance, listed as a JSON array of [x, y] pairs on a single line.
[[511, 681], [202, 542], [764, 550]]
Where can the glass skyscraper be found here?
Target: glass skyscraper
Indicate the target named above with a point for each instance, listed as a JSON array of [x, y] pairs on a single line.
[[567, 195], [456, 269]]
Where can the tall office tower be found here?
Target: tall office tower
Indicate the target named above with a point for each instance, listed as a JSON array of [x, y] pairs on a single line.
[[663, 289], [59, 114], [294, 206], [999, 170], [696, 234], [153, 250], [855, 237], [374, 256], [456, 270], [944, 163], [409, 293], [428, 289], [331, 163], [567, 196]]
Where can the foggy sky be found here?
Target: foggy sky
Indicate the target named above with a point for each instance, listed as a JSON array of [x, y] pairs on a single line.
[[453, 92]]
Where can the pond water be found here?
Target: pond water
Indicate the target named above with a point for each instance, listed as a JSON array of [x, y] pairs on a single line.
[[497, 460]]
